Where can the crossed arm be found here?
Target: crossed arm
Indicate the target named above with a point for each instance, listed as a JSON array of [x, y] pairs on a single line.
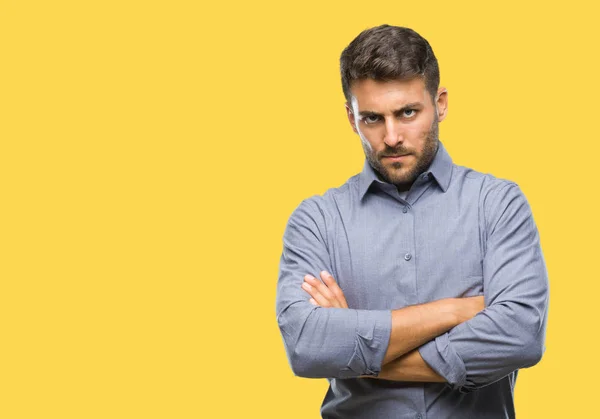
[[468, 343], [411, 327]]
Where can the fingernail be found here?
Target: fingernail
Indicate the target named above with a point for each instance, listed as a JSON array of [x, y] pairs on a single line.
[[325, 273]]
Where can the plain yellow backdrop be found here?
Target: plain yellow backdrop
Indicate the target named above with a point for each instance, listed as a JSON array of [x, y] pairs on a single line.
[[152, 152]]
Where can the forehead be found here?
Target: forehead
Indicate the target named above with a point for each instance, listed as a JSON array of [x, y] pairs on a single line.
[[377, 95]]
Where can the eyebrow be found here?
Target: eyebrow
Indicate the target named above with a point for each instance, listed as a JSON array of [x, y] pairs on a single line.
[[397, 111]]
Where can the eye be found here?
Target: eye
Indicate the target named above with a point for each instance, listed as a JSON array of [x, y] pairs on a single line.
[[409, 113], [370, 119]]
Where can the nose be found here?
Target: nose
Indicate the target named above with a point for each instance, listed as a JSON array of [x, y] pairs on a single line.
[[393, 132]]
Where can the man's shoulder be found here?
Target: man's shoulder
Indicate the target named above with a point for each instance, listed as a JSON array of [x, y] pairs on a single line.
[[322, 205], [486, 183], [497, 196]]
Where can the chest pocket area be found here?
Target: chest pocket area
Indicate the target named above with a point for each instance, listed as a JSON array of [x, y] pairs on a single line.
[[450, 259]]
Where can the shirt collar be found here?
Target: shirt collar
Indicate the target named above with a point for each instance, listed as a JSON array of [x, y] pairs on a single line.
[[440, 168]]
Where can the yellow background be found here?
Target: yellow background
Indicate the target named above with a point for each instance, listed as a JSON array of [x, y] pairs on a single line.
[[152, 152]]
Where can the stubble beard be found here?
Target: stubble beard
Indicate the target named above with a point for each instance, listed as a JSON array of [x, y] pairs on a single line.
[[404, 181]]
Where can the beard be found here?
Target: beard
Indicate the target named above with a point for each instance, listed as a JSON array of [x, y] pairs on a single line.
[[403, 181]]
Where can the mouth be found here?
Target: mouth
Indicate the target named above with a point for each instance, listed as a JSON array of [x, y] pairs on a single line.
[[399, 157]]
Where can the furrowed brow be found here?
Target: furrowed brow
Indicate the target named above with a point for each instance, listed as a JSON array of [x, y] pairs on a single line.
[[415, 105], [363, 114]]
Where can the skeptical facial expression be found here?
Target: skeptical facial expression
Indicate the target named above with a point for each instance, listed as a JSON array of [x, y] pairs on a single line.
[[397, 122]]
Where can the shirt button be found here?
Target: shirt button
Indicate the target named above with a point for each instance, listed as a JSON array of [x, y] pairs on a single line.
[[407, 256], [419, 416], [405, 210]]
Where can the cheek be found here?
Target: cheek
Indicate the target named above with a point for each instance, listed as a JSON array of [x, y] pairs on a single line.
[[419, 133], [370, 137], [365, 143]]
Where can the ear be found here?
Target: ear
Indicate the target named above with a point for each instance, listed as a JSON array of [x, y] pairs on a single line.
[[351, 118], [442, 103]]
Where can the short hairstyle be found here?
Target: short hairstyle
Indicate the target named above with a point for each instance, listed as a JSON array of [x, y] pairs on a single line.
[[386, 53]]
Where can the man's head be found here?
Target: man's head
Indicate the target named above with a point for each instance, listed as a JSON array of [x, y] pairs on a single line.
[[390, 79]]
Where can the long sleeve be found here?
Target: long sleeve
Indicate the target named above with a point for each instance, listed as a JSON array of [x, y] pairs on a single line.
[[323, 342], [510, 332]]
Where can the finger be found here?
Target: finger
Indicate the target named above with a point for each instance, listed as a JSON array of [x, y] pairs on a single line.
[[320, 292], [313, 302], [314, 293], [323, 289], [327, 292], [329, 280], [334, 288]]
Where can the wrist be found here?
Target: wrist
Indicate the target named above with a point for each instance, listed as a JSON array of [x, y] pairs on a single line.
[[454, 311]]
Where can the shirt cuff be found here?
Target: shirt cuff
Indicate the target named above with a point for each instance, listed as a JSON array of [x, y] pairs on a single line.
[[373, 331], [442, 358]]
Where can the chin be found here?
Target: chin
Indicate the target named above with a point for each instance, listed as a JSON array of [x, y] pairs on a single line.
[[401, 174], [397, 179]]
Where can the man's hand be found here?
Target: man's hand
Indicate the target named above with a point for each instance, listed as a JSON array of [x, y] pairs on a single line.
[[326, 293]]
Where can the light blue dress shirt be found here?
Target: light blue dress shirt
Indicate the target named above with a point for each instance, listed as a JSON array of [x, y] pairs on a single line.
[[456, 233]]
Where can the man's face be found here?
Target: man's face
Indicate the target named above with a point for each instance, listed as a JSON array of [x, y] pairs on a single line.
[[397, 122]]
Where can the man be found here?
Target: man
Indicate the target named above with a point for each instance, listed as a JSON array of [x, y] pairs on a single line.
[[418, 288]]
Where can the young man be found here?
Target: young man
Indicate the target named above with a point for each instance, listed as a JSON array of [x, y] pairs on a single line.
[[418, 288]]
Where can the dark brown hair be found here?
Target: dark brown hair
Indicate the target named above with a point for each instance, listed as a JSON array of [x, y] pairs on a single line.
[[386, 53]]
